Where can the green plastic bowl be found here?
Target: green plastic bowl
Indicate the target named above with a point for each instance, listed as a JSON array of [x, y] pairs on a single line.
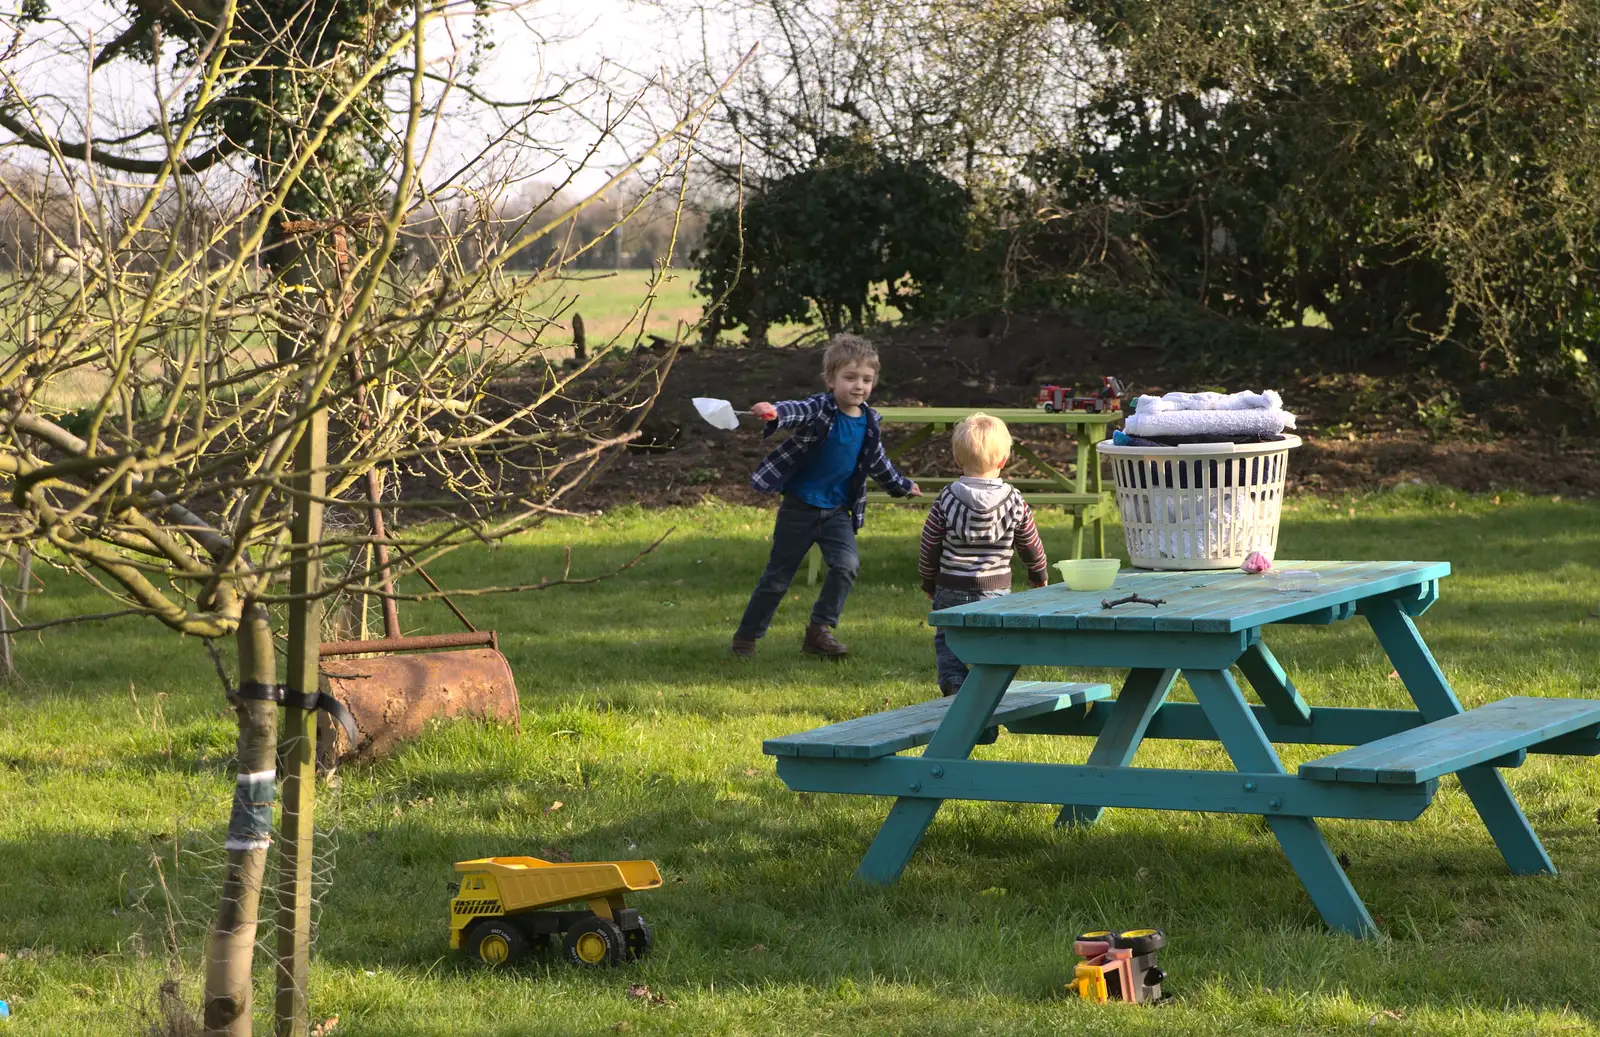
[[1089, 574]]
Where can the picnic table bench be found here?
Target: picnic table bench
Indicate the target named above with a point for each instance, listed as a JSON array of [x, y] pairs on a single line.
[[1081, 493], [1208, 623]]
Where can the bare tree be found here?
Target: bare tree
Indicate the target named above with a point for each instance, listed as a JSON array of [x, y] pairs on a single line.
[[183, 412], [970, 86]]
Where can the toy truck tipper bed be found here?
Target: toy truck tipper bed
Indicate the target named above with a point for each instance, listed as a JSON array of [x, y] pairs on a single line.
[[502, 909]]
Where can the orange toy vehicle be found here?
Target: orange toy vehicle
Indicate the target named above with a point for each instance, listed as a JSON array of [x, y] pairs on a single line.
[[1119, 966]]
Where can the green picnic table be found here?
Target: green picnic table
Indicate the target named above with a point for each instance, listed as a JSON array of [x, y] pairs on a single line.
[[1080, 493], [1208, 622]]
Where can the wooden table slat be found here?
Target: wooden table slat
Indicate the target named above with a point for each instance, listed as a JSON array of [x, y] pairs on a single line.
[[1009, 415], [1206, 601], [883, 734], [1456, 742], [1343, 588]]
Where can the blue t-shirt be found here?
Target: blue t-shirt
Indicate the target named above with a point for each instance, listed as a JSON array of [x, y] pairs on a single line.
[[824, 480]]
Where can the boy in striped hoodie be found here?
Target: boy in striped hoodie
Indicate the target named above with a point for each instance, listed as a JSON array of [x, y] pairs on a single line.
[[972, 531]]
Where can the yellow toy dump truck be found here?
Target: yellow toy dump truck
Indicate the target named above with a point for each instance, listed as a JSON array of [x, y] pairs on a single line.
[[501, 909]]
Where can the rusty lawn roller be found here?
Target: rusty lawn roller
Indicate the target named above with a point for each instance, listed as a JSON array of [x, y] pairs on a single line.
[[393, 697]]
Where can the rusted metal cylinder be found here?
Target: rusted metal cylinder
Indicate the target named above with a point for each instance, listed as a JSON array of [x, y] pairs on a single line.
[[393, 698], [408, 644]]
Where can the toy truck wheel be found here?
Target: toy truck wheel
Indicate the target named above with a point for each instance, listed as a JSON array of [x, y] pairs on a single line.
[[1049, 408], [1141, 941], [497, 942], [1097, 936], [594, 942], [639, 940]]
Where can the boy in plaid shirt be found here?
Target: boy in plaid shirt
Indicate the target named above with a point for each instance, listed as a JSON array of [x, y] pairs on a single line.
[[821, 470]]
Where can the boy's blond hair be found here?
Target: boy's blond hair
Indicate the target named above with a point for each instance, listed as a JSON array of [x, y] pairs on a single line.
[[847, 349], [981, 443]]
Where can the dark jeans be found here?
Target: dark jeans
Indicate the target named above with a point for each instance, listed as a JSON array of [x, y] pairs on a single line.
[[799, 525], [953, 671]]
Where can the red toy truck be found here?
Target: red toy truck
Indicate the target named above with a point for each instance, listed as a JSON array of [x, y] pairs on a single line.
[[1053, 398]]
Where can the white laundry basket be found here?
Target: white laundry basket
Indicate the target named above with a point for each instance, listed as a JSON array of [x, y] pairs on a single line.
[[1199, 506]]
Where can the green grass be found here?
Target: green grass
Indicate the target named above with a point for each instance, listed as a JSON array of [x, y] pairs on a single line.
[[650, 738], [607, 300]]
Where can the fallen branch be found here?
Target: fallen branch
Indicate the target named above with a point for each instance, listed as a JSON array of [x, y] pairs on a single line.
[[1132, 599]]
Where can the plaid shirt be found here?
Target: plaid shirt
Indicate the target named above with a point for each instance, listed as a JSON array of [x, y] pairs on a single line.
[[812, 420]]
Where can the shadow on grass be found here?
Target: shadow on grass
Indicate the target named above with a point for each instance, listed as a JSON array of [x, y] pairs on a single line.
[[758, 896]]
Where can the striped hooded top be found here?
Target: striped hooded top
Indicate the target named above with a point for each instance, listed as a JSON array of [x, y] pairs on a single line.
[[970, 534]]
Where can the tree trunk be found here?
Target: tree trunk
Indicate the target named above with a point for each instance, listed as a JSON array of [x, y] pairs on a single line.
[[24, 578], [580, 342], [755, 325], [230, 949]]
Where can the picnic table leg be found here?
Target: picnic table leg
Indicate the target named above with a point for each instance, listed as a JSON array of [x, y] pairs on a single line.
[[1272, 684], [1136, 704], [1097, 486], [1435, 700], [1301, 839], [958, 733], [1079, 480], [920, 436]]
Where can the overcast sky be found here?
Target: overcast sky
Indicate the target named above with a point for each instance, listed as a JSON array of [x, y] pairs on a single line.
[[543, 43]]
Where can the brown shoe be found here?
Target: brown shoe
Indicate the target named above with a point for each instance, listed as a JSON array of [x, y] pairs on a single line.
[[819, 641], [742, 647]]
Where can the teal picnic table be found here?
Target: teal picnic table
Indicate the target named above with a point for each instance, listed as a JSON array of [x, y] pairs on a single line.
[[1207, 623]]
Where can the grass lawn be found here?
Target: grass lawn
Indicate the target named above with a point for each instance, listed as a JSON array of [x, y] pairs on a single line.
[[607, 300], [650, 739]]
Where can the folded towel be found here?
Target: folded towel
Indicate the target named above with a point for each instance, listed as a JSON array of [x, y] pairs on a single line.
[[1186, 401], [1209, 423], [1121, 438]]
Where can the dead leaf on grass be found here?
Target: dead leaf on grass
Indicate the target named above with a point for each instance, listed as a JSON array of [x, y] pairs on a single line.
[[324, 1028], [553, 807], [804, 798], [1394, 675], [640, 992], [759, 948], [556, 853], [749, 772], [1387, 1013]]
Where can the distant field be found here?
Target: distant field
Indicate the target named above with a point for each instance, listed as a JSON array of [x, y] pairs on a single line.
[[608, 300]]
